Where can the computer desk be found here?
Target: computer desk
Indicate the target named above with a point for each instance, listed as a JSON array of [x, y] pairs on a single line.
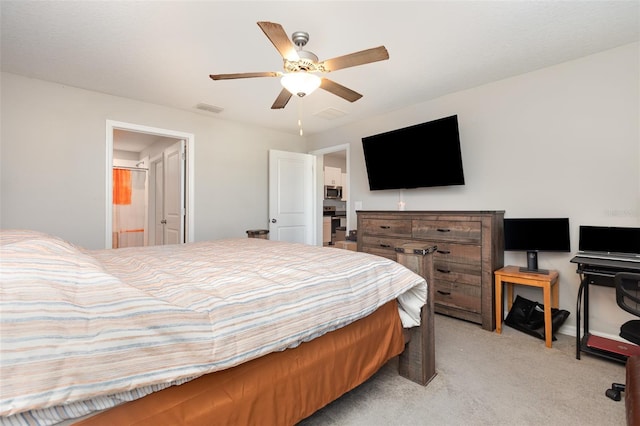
[[600, 272]]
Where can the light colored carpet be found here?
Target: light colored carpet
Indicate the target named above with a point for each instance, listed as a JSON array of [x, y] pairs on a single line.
[[487, 379]]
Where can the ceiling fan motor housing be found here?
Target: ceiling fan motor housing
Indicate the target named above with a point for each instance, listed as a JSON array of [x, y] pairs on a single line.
[[307, 62]]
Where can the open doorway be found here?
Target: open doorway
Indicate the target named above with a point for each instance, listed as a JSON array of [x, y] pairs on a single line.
[[332, 171], [149, 186]]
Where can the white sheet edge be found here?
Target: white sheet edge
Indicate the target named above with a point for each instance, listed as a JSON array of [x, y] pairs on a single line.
[[410, 304]]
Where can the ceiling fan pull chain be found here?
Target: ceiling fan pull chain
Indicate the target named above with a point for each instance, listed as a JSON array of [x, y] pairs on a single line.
[[300, 115]]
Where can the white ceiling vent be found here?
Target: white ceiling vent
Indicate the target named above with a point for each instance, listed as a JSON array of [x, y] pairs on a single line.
[[330, 114], [210, 108]]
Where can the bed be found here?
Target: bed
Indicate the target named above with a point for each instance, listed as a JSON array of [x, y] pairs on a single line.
[[236, 331]]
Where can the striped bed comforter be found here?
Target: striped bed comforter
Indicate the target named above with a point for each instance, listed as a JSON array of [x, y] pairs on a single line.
[[78, 324]]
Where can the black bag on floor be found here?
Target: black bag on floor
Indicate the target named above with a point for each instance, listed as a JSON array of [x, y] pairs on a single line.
[[528, 316]]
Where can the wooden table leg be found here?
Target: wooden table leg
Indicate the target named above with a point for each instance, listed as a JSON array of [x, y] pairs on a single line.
[[548, 334], [555, 295], [509, 296], [498, 304]]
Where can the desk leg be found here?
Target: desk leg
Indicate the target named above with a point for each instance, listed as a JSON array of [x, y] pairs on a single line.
[[498, 304], [582, 295], [509, 296], [555, 294], [548, 333]]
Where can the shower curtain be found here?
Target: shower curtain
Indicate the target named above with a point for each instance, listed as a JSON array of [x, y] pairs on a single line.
[[129, 207]]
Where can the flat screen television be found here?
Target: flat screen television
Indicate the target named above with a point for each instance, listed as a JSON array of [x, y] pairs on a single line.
[[423, 155], [534, 235]]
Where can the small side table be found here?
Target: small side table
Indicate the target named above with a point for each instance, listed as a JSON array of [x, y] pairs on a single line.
[[511, 275]]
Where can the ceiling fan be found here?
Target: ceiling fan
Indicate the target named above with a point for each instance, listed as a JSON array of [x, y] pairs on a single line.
[[301, 66]]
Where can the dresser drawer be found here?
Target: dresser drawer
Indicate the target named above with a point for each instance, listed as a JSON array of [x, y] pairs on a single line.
[[445, 230], [459, 253], [464, 273], [460, 296], [395, 227], [383, 243]]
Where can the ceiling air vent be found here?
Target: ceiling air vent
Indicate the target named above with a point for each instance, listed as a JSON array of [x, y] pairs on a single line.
[[211, 108], [330, 114]]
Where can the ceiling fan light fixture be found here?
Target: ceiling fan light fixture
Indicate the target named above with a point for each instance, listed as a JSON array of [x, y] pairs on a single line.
[[300, 83]]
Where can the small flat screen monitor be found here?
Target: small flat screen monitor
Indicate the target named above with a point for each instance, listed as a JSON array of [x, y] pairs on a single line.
[[534, 235]]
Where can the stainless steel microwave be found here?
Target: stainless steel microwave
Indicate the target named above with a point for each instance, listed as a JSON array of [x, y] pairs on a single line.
[[332, 192]]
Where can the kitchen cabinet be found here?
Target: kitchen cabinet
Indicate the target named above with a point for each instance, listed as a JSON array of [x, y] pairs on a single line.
[[332, 176], [470, 246], [326, 230]]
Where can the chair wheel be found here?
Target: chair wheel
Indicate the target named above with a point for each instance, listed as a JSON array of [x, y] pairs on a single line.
[[613, 394]]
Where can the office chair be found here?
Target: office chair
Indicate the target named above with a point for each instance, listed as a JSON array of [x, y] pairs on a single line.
[[628, 298]]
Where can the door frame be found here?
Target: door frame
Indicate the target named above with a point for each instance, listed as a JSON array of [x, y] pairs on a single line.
[[320, 153], [112, 125]]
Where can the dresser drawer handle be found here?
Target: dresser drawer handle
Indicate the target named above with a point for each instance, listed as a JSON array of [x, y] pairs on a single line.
[[444, 293], [385, 226], [385, 245], [444, 271], [443, 251], [444, 230]]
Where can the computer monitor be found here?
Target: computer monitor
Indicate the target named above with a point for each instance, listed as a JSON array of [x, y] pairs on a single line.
[[534, 235]]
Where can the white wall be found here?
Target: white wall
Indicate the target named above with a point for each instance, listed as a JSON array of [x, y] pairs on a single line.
[[53, 159], [563, 141]]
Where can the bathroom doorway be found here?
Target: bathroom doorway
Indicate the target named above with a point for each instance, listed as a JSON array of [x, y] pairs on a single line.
[[149, 186]]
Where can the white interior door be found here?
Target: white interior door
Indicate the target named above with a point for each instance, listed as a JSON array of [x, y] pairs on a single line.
[[174, 158], [292, 197]]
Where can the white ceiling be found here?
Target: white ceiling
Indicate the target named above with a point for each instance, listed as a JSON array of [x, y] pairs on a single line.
[[163, 52], [124, 140]]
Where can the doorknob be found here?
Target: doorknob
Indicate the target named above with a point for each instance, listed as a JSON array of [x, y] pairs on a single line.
[[273, 221], [163, 221]]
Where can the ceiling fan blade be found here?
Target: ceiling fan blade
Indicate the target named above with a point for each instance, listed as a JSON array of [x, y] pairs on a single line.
[[244, 75], [358, 58], [281, 100], [280, 40], [339, 90]]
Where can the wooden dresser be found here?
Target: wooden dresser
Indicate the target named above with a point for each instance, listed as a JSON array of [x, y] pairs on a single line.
[[470, 247]]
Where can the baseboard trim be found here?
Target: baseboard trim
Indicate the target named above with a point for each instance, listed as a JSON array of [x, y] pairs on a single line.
[[570, 330]]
